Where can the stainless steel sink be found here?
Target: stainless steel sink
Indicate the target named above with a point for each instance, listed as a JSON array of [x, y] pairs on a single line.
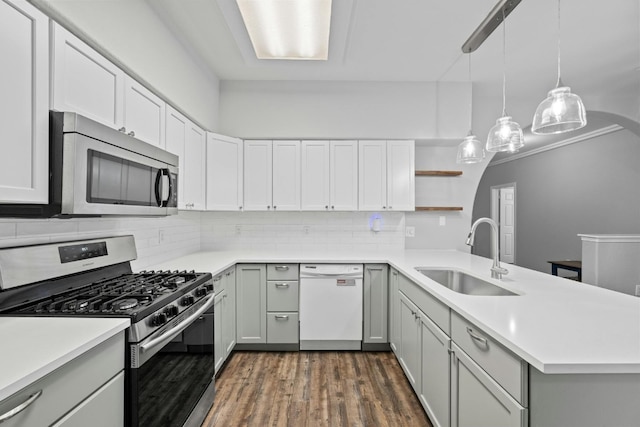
[[463, 283]]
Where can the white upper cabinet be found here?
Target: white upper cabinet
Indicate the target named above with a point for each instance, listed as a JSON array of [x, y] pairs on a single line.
[[84, 81], [144, 113], [286, 175], [401, 172], [187, 141], [24, 103], [344, 175], [257, 175], [224, 173], [315, 186], [329, 175], [271, 175], [387, 175], [194, 164]]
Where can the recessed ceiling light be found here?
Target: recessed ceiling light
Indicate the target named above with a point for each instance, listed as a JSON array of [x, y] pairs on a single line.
[[288, 29]]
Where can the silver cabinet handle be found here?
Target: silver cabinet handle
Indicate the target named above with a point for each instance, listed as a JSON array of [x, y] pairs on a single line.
[[21, 407], [132, 133], [282, 317], [282, 285], [122, 129], [477, 337], [282, 268]]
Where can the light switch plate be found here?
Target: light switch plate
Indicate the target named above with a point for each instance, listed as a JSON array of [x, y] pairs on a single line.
[[410, 232]]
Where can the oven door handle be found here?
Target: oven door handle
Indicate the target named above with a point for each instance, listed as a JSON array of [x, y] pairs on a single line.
[[177, 329]]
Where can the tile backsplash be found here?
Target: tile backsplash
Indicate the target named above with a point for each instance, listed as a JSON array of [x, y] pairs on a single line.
[[320, 231], [161, 239]]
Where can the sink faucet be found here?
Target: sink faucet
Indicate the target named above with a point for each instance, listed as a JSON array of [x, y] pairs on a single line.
[[496, 270]]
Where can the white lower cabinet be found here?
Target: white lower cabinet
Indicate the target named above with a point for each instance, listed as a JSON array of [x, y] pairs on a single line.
[[435, 372], [224, 320], [394, 311], [479, 401], [410, 348], [251, 309], [88, 390]]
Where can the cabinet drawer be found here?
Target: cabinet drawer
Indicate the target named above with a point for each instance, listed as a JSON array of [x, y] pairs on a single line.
[[282, 295], [282, 328], [68, 385], [218, 284], [503, 366], [437, 311], [282, 271]]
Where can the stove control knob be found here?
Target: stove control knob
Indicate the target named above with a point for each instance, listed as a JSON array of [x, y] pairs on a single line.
[[188, 300], [209, 287], [171, 311], [159, 319], [200, 292]]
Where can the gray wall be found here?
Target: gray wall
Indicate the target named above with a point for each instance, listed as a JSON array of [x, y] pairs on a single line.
[[589, 187]]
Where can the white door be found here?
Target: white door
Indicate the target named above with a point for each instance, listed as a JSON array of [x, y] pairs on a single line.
[[401, 175], [24, 103], [176, 134], [507, 224], [84, 81], [224, 173], [144, 113], [257, 175], [372, 175], [286, 175], [194, 164], [315, 176], [344, 176]]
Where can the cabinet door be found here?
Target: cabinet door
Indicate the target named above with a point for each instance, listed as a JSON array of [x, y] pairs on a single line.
[[315, 176], [251, 308], [286, 175], [257, 175], [176, 135], [401, 175], [24, 103], [375, 303], [372, 178], [435, 371], [410, 348], [477, 400], [224, 173], [229, 312], [219, 353], [144, 113], [194, 164], [344, 175], [84, 81], [394, 311]]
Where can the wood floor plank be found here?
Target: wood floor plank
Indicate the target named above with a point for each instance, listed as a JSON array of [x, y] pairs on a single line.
[[314, 389]]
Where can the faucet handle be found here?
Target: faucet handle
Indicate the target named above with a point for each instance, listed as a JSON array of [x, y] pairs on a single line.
[[497, 272]]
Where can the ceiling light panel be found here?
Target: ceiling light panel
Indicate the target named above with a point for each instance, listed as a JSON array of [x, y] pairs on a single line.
[[288, 29]]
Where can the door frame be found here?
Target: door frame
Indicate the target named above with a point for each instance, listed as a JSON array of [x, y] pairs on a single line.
[[495, 212]]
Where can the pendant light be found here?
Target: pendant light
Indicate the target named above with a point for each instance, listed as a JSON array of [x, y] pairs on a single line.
[[470, 149], [506, 135], [562, 111]]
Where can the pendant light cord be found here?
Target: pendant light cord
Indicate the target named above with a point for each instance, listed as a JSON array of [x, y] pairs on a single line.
[[471, 99], [559, 83], [504, 66]]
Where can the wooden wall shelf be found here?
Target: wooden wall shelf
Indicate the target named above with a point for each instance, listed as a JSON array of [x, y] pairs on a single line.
[[438, 208], [438, 173]]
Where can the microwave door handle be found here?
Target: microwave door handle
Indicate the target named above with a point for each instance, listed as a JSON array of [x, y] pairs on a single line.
[[169, 186], [157, 187], [163, 188]]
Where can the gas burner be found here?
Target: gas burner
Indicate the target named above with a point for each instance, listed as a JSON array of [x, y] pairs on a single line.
[[175, 281], [125, 304]]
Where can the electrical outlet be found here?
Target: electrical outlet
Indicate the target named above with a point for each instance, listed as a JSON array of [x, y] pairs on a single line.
[[160, 236], [443, 220], [410, 232], [238, 230], [638, 290]]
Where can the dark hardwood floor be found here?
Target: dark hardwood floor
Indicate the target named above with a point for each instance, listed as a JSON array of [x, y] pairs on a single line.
[[297, 389]]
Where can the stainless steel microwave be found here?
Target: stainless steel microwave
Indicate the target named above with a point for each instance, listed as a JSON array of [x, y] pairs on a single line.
[[95, 170]]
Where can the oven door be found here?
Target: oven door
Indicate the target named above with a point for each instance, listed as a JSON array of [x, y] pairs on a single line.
[[170, 383], [104, 179]]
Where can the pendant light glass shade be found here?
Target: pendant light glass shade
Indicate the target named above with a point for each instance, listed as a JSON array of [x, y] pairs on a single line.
[[506, 135], [470, 150], [562, 111]]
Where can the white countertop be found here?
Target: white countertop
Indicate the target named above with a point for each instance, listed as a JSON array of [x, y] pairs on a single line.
[[556, 325], [32, 347]]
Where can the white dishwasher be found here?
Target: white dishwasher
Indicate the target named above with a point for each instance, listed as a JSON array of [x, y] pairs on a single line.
[[331, 306]]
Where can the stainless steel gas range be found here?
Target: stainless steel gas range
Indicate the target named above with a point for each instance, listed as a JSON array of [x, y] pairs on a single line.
[[169, 346]]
